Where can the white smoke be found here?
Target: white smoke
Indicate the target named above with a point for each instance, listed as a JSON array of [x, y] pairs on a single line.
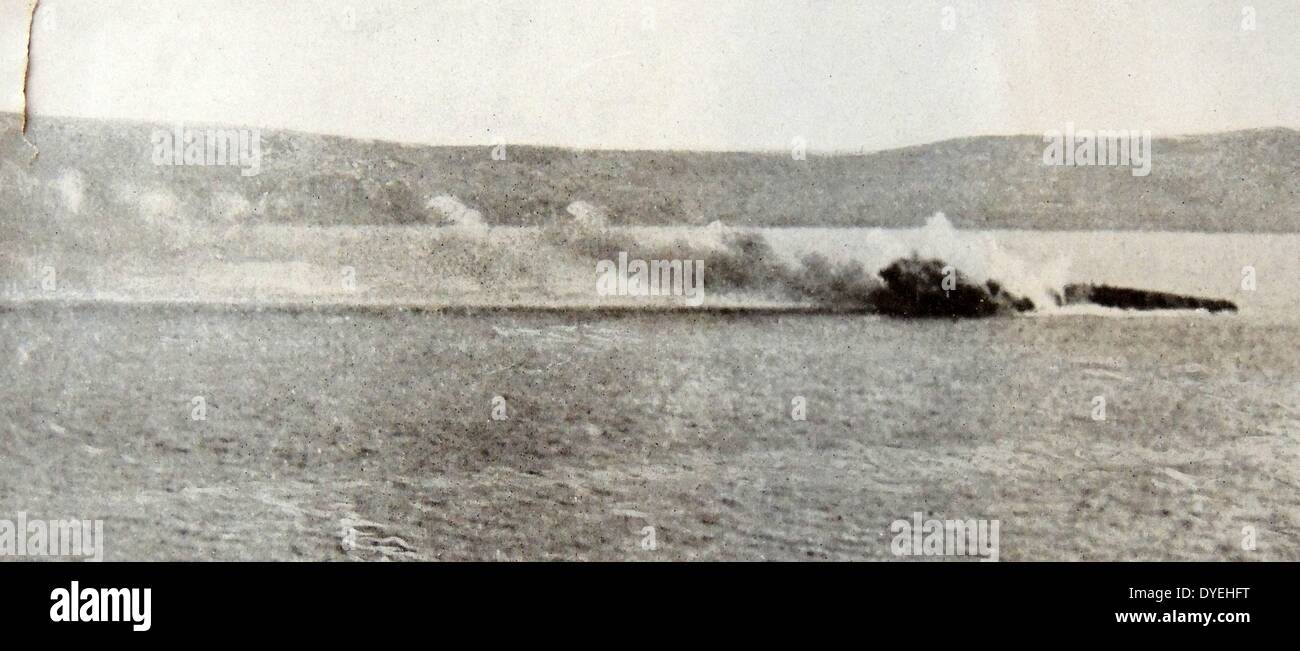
[[71, 188], [979, 257], [588, 215], [457, 217]]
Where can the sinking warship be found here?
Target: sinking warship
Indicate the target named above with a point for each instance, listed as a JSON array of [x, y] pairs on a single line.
[[918, 287]]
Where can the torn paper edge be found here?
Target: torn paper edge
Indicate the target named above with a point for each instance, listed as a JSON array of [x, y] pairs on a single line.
[[27, 61], [27, 73]]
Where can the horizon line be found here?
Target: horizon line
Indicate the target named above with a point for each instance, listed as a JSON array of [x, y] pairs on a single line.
[[37, 117]]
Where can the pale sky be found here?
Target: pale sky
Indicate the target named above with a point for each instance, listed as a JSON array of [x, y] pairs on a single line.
[[660, 74]]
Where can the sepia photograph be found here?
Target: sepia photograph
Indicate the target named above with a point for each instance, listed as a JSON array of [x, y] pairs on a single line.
[[649, 281]]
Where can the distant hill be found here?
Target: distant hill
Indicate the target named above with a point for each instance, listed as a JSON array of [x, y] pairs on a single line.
[[1239, 181]]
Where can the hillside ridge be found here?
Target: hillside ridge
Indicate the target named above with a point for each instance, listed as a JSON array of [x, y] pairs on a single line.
[[1238, 181]]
